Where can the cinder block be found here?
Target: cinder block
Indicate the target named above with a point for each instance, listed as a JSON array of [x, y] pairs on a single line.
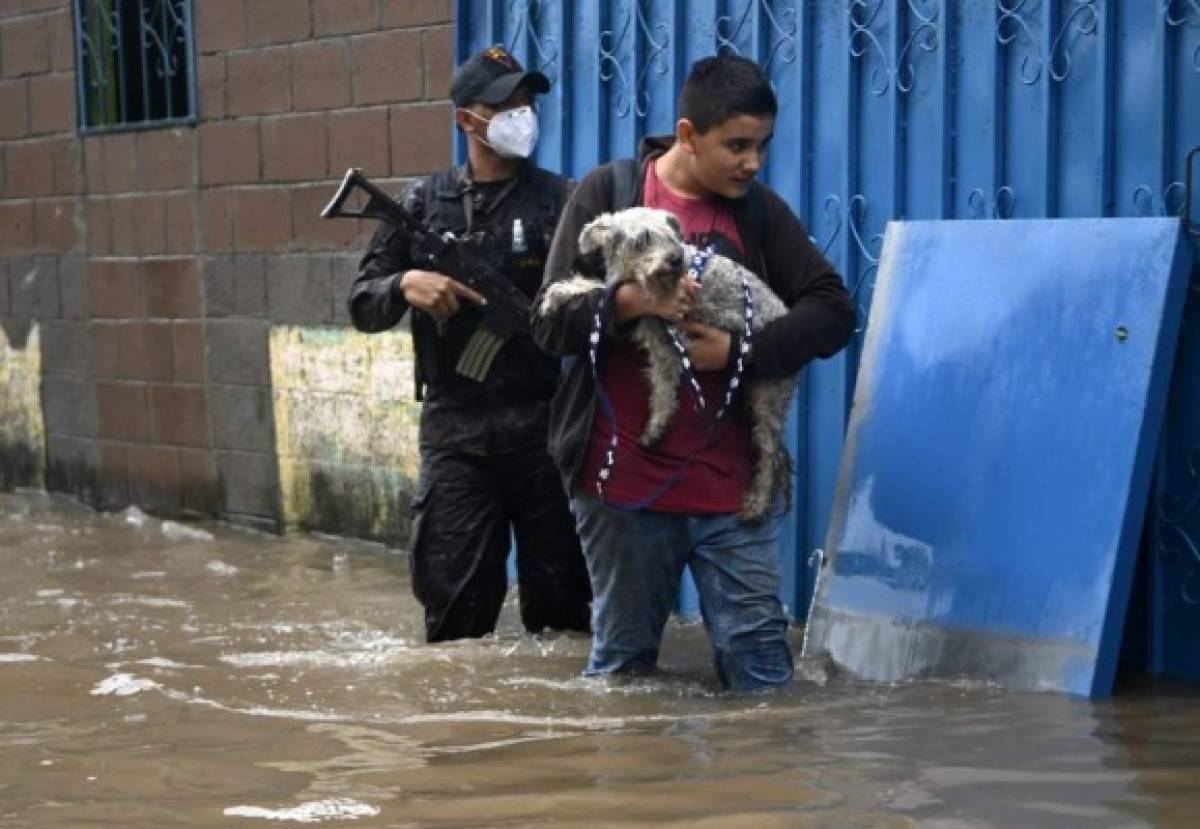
[[28, 169], [123, 410], [340, 17], [359, 138], [167, 159], [116, 288], [24, 46], [386, 67], [320, 74], [67, 348], [69, 405], [438, 50], [237, 351], [146, 351], [229, 152], [34, 287], [421, 136], [51, 103], [398, 13], [259, 81], [249, 483], [14, 103], [242, 418], [294, 147], [172, 287], [179, 415], [220, 25], [277, 21], [264, 219], [74, 290], [154, 479], [298, 289], [235, 286], [190, 363]]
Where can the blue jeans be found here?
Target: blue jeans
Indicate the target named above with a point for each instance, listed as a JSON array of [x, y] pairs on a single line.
[[635, 561]]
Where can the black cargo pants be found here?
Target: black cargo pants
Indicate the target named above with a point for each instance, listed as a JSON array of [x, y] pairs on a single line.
[[462, 515]]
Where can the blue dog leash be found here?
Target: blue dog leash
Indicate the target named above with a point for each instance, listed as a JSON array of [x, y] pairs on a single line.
[[695, 270]]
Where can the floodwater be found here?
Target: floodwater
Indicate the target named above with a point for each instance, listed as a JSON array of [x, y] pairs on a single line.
[[158, 675]]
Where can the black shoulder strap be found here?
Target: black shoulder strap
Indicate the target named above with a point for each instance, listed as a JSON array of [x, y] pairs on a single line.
[[624, 183]]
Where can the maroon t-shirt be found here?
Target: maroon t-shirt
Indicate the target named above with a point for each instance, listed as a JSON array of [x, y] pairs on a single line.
[[701, 465]]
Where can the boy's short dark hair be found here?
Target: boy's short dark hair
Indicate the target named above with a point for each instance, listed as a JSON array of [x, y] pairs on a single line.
[[720, 87]]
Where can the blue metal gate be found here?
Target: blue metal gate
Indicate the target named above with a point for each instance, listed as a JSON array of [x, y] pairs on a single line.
[[920, 109]]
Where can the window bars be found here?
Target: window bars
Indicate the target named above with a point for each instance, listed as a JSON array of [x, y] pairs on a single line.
[[136, 65]]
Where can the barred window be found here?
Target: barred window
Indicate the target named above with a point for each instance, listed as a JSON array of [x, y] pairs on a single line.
[[136, 64]]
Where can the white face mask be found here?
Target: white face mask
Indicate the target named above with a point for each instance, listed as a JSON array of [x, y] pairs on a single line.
[[512, 133]]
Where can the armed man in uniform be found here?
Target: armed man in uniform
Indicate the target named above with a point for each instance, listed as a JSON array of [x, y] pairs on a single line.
[[484, 466]]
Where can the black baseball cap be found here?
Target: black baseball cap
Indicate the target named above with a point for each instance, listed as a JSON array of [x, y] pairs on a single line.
[[491, 77]]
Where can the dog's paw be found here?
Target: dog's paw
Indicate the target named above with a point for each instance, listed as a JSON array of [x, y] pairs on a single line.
[[754, 508], [650, 437]]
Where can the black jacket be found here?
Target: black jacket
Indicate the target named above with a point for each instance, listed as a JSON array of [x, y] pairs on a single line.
[[508, 409], [820, 321]]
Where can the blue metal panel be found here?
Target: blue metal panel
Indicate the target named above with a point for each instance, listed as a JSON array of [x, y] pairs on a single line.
[[1000, 448], [888, 108]]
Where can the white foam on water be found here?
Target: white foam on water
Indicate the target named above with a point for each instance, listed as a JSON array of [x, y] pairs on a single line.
[[123, 685], [150, 574], [182, 532], [49, 594], [168, 664], [221, 568], [19, 657], [134, 517], [148, 601], [312, 811], [316, 659]]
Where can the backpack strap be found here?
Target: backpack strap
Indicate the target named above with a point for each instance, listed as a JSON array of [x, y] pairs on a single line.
[[624, 183]]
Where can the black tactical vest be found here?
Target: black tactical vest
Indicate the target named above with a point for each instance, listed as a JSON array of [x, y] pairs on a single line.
[[515, 223]]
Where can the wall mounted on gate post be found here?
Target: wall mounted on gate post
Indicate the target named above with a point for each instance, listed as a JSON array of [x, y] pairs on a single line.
[[1192, 223]]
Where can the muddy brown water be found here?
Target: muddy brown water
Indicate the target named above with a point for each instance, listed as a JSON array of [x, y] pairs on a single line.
[[157, 675]]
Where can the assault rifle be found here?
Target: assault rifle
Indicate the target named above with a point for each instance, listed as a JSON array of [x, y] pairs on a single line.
[[507, 311]]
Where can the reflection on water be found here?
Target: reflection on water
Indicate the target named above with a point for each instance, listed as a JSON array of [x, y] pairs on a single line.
[[154, 674]]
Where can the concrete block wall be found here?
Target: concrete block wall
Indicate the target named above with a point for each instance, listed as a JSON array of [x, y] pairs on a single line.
[[155, 263]]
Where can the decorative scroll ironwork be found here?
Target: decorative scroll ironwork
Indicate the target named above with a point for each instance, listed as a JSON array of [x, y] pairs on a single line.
[[1001, 206], [864, 42], [1081, 18], [164, 35], [833, 221], [782, 34], [135, 58], [98, 37], [1180, 13], [1147, 203], [524, 13], [656, 59], [1173, 540], [863, 289]]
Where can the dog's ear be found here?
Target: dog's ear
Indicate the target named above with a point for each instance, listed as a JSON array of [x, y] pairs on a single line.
[[596, 234], [673, 223], [590, 264]]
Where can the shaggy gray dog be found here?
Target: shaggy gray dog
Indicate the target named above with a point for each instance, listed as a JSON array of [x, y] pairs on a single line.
[[645, 246]]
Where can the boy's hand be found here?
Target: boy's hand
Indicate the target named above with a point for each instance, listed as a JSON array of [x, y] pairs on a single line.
[[436, 294], [632, 301], [707, 347]]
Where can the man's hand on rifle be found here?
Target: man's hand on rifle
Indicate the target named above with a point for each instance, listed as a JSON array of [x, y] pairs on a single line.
[[436, 294]]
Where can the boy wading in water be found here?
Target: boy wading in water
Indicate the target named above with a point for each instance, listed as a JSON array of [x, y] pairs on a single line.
[[675, 504]]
